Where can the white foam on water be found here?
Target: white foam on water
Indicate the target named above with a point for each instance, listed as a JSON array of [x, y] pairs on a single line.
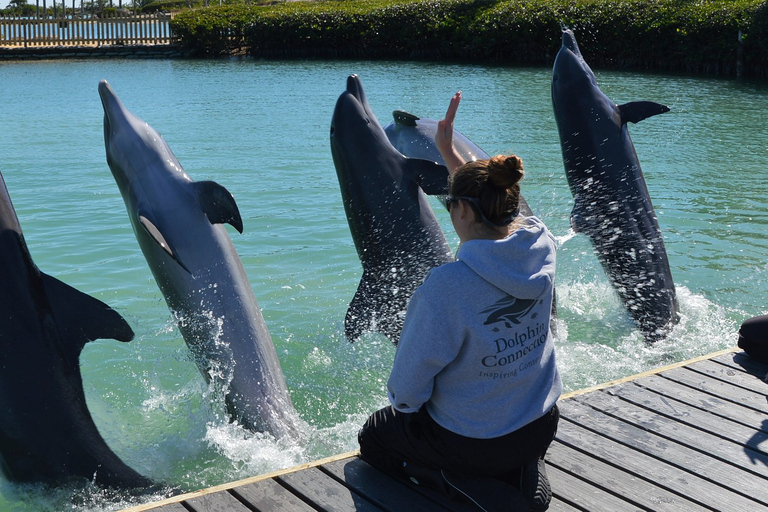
[[608, 346]]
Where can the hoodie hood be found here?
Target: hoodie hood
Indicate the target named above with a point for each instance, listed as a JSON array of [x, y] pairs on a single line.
[[528, 256]]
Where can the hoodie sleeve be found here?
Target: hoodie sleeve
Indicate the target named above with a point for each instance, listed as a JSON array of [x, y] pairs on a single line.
[[429, 341]]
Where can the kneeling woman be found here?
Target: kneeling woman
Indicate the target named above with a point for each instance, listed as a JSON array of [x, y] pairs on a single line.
[[474, 383]]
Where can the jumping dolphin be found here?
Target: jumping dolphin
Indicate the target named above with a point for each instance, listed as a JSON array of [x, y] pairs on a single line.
[[396, 234], [611, 201], [414, 137], [179, 226], [46, 431]]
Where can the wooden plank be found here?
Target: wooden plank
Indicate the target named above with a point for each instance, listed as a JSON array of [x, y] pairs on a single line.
[[726, 409], [561, 506], [573, 493], [747, 436], [675, 475], [314, 486], [734, 453], [171, 507], [721, 475], [742, 361], [718, 388], [238, 483], [713, 405], [381, 489], [636, 491], [269, 495], [732, 376], [216, 502]]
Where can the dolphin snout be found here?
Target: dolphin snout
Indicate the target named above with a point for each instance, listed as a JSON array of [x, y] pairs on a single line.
[[114, 111], [355, 88], [569, 41], [106, 94]]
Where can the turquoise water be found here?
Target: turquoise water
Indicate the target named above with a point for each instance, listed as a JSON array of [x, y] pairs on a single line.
[[262, 130]]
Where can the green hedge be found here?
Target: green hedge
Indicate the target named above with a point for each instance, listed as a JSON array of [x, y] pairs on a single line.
[[685, 35]]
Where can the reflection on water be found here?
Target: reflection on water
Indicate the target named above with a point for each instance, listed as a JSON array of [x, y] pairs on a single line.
[[261, 129]]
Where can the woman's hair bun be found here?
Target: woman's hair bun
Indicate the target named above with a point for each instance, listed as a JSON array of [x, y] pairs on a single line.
[[505, 171]]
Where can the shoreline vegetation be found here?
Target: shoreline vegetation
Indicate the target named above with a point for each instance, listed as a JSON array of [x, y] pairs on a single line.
[[698, 37], [716, 37]]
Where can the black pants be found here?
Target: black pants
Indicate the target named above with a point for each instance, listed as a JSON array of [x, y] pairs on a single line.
[[389, 440]]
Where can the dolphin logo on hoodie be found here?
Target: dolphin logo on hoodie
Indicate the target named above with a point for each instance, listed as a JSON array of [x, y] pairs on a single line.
[[509, 310]]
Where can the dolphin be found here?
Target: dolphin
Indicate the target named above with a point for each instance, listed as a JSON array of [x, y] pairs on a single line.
[[179, 226], [414, 137], [47, 433], [611, 201], [396, 233]]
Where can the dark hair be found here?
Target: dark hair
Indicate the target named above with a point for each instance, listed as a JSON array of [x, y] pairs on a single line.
[[495, 183]]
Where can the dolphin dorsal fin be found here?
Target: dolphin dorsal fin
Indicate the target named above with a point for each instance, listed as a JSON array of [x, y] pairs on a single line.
[[80, 318], [636, 111], [218, 204], [154, 232], [430, 176], [404, 118]]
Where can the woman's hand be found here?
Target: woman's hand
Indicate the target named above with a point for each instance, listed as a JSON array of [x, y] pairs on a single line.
[[444, 136]]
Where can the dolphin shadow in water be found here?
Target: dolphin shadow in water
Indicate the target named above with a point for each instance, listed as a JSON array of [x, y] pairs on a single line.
[[611, 201], [396, 233], [179, 226], [47, 433]]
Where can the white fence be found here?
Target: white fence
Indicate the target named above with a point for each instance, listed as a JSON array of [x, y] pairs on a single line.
[[140, 29]]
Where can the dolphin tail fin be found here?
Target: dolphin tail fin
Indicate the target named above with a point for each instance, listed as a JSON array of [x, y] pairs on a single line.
[[636, 111], [372, 309], [218, 204], [430, 176], [81, 318]]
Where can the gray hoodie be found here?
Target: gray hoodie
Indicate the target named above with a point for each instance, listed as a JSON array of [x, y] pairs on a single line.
[[476, 347]]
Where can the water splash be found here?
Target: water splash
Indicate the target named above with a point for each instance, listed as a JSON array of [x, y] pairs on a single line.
[[603, 345]]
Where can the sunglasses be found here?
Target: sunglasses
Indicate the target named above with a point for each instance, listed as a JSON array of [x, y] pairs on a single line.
[[475, 202]]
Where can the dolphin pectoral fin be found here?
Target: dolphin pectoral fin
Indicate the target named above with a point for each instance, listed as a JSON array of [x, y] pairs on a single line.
[[218, 204], [430, 176], [81, 318], [159, 239], [636, 111]]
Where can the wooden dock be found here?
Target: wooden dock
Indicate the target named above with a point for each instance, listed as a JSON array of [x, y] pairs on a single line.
[[686, 437]]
